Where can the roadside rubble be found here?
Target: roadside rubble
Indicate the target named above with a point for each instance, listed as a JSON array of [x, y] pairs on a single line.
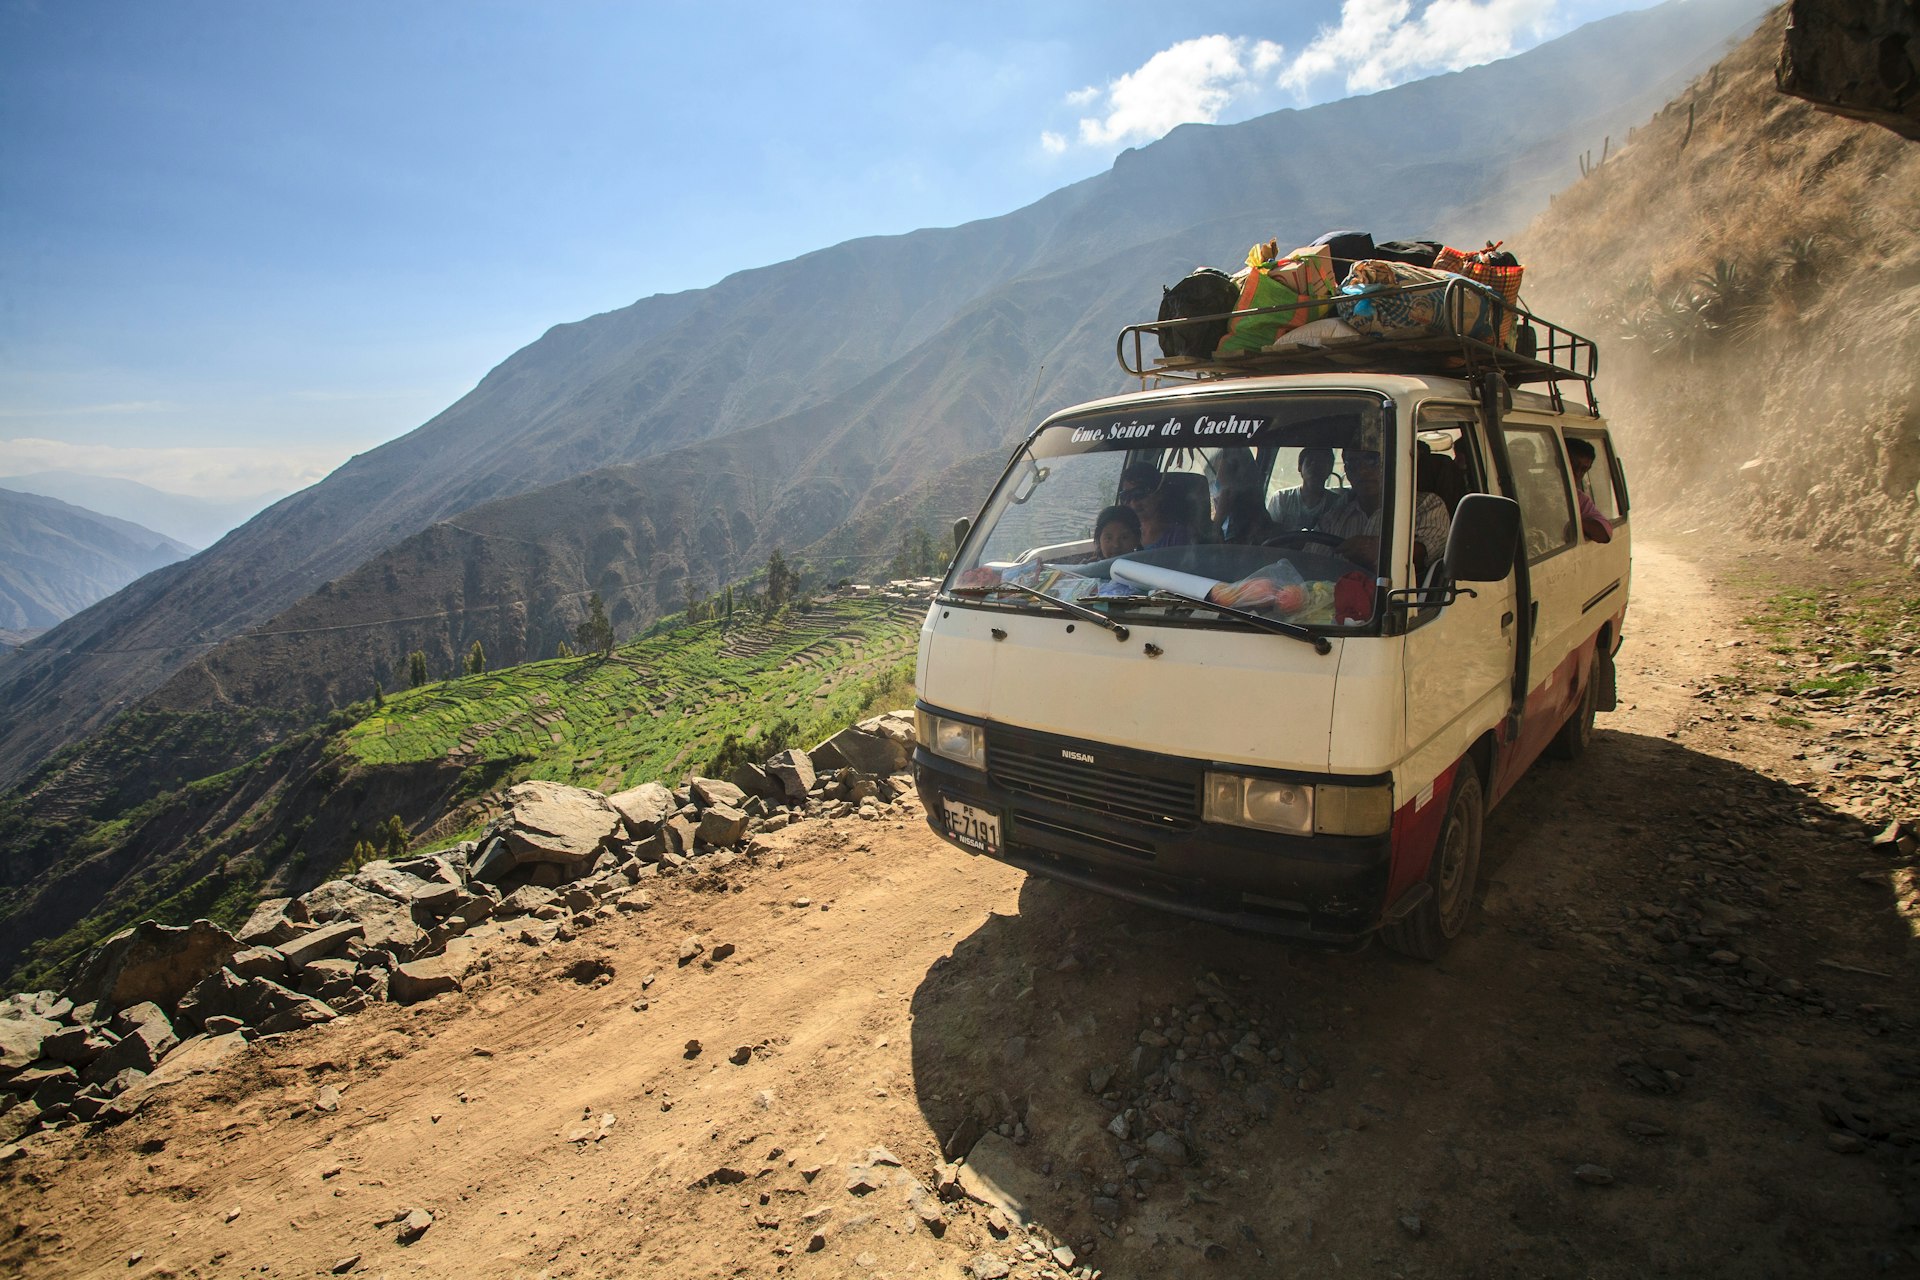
[[156, 1003]]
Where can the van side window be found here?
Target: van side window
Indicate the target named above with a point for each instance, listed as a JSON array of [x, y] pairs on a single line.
[[1546, 504], [1599, 481]]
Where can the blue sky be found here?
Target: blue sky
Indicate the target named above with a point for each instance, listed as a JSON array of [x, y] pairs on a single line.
[[240, 242]]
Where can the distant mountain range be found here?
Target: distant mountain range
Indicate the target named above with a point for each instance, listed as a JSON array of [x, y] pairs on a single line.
[[857, 388], [56, 558], [198, 522]]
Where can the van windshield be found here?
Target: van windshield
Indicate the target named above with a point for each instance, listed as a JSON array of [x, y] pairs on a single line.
[[1270, 505]]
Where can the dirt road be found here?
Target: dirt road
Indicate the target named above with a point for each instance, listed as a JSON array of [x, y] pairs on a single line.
[[1621, 1072]]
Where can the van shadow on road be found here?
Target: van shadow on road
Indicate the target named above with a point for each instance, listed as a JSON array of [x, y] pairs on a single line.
[[1649, 953]]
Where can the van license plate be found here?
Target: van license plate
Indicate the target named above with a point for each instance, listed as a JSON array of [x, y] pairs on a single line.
[[971, 828]]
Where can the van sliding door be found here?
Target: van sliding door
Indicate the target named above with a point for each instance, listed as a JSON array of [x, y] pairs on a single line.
[[1550, 534]]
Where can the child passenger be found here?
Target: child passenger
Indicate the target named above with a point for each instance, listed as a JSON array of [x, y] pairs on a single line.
[[1116, 531]]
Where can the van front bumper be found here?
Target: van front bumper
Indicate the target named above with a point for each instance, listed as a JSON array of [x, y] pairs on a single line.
[[1325, 890]]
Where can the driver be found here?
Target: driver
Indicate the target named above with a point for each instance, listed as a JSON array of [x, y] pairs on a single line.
[[1302, 506], [1356, 521]]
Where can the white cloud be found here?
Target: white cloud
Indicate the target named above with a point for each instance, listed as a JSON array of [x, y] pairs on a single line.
[[1084, 97], [1052, 143], [92, 410], [214, 472], [1381, 43], [1192, 81]]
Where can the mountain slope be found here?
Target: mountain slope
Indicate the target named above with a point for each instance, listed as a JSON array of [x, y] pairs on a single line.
[[198, 522], [1042, 288], [56, 558]]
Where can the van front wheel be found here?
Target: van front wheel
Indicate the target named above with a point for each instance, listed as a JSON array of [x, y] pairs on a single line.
[[1577, 733], [1425, 932]]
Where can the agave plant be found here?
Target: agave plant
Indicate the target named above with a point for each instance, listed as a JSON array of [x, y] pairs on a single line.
[[1800, 257]]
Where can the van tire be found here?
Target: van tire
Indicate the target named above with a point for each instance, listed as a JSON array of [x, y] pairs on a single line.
[[1577, 733], [1426, 931]]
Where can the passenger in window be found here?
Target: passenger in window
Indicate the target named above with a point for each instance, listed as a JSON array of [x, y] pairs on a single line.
[[1237, 508], [1357, 520], [1303, 506], [1595, 526], [1142, 488], [1116, 531]]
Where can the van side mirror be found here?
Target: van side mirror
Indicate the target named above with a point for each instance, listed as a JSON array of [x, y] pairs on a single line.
[[961, 528], [1484, 539]]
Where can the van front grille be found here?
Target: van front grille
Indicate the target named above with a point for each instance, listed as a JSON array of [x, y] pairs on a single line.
[[1032, 831], [1030, 768]]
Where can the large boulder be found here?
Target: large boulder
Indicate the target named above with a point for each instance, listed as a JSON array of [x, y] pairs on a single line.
[[146, 1036], [385, 924], [218, 996], [794, 769], [21, 1037], [722, 825], [643, 808], [875, 747], [269, 925], [494, 861], [389, 881], [420, 980], [310, 948], [152, 961], [708, 792], [753, 780], [678, 834], [270, 1007], [566, 826]]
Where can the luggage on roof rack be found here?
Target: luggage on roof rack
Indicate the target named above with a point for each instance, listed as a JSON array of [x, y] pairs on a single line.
[[1448, 327]]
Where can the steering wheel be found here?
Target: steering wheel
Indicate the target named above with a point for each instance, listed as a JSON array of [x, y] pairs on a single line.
[[1302, 535]]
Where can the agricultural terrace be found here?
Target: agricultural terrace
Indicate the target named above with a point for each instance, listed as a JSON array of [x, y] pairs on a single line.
[[658, 706]]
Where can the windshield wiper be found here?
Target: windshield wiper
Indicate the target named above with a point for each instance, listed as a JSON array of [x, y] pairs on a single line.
[[1160, 595], [1075, 608], [1078, 610]]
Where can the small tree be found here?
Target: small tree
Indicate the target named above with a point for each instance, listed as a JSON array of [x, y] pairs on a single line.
[[595, 635], [779, 581], [476, 660], [563, 650], [395, 835], [416, 669], [729, 622], [917, 556], [379, 694]]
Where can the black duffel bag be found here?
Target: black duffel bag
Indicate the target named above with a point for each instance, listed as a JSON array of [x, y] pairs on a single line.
[[1207, 292], [1417, 253]]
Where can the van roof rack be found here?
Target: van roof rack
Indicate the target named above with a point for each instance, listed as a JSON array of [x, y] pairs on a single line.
[[1445, 347]]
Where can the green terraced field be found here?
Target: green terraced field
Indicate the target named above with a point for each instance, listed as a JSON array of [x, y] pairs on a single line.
[[660, 705]]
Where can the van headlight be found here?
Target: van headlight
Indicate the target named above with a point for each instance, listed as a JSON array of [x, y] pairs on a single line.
[[954, 740], [1298, 808], [1241, 801]]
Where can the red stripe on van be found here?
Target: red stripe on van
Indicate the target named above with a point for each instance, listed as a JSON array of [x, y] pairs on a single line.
[[1416, 833]]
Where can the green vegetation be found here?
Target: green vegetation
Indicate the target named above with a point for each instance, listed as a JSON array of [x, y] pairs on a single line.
[[661, 705], [1852, 630], [172, 815]]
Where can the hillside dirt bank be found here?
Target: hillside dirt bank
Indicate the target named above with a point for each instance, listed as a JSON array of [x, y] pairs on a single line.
[[1643, 1060]]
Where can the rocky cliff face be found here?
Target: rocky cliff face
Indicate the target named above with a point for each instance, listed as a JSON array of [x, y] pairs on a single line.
[[1857, 58]]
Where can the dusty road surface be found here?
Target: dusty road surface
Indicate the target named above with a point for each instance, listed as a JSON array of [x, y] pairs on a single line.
[[1679, 1041]]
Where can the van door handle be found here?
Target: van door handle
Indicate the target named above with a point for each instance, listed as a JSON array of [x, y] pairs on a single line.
[[1506, 620]]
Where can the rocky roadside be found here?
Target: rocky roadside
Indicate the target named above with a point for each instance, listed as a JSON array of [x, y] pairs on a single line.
[[156, 1003]]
